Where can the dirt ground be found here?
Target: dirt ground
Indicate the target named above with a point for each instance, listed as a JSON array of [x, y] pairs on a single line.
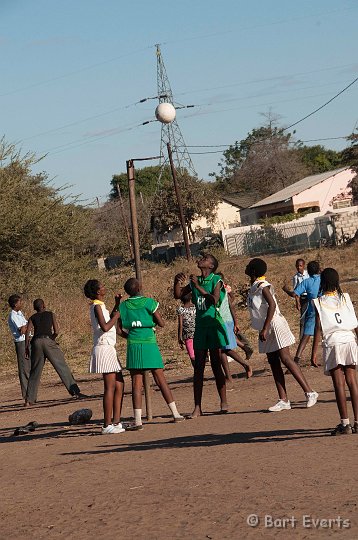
[[199, 479]]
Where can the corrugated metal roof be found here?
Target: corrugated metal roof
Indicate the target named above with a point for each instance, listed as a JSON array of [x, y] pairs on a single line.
[[296, 188], [241, 200]]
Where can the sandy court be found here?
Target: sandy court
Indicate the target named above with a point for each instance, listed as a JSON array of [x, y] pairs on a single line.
[[198, 479]]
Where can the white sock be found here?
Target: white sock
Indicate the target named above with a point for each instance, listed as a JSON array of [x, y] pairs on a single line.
[[345, 421], [138, 417], [174, 410]]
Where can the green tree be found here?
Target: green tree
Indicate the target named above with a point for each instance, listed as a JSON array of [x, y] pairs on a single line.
[[157, 207], [319, 159], [43, 231], [199, 200], [350, 158], [147, 181]]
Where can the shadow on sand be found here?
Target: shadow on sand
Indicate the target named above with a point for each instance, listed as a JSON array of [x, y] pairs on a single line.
[[210, 439]]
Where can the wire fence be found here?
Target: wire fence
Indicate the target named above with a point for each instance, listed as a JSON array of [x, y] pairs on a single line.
[[282, 238]]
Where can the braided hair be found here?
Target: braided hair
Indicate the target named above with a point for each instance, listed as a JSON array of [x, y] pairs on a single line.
[[330, 282]]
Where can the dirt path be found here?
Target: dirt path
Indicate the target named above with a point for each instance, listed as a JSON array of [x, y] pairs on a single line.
[[199, 479]]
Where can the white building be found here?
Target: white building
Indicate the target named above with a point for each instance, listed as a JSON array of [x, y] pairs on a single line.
[[227, 215]]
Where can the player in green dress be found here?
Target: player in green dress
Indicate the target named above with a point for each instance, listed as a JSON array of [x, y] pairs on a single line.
[[138, 317], [210, 333]]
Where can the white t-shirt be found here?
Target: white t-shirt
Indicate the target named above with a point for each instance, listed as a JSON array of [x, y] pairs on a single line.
[[100, 337], [337, 317]]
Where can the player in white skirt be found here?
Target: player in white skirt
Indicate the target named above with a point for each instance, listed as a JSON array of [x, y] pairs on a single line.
[[104, 355], [275, 336], [338, 323]]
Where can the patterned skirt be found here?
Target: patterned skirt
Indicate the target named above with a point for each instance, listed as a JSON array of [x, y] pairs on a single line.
[[104, 359], [278, 336]]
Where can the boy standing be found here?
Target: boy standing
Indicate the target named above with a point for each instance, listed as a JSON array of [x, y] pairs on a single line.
[[45, 328], [301, 301], [311, 287], [18, 325], [210, 334]]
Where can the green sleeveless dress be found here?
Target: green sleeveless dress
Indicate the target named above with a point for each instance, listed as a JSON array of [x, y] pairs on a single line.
[[137, 319], [210, 330]]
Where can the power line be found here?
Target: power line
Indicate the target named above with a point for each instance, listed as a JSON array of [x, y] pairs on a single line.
[[322, 106], [117, 131], [75, 72], [250, 28], [203, 113], [67, 146], [214, 152], [104, 62], [83, 120], [72, 144], [265, 93], [115, 109], [75, 123], [266, 79], [228, 145]]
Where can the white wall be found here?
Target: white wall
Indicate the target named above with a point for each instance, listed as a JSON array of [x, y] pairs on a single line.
[[325, 191], [346, 218], [226, 214]]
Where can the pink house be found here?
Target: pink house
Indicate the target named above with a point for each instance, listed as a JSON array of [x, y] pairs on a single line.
[[323, 193]]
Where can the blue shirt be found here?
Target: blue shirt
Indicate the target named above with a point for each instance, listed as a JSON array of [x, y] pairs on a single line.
[[15, 321], [310, 286]]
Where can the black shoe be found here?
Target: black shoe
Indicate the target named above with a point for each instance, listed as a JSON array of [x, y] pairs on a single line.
[[342, 430], [133, 427], [79, 396], [31, 426]]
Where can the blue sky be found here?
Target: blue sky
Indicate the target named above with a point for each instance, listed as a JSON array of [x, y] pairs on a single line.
[[72, 70]]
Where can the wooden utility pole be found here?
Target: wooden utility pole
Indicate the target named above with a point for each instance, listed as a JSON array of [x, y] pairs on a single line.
[[138, 272], [180, 204], [125, 221]]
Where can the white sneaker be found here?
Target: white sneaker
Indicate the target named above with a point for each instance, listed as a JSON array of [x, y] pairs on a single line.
[[281, 405], [119, 428], [311, 398], [112, 428]]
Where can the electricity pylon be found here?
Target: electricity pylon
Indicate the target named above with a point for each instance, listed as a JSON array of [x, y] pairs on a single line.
[[170, 133]]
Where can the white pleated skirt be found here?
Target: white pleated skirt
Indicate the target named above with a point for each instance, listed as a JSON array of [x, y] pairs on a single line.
[[341, 354], [278, 336], [104, 359]]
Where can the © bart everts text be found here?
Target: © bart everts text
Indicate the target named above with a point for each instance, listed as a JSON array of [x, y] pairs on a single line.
[[306, 521]]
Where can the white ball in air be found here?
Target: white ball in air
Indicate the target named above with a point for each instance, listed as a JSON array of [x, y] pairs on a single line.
[[165, 113]]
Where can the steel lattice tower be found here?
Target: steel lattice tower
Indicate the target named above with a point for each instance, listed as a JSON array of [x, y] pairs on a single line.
[[170, 133]]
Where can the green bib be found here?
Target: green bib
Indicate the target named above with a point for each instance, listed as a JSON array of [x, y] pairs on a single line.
[[137, 318], [207, 312]]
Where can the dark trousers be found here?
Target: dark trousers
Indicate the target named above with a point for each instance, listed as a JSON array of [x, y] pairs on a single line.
[[42, 348], [23, 366]]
